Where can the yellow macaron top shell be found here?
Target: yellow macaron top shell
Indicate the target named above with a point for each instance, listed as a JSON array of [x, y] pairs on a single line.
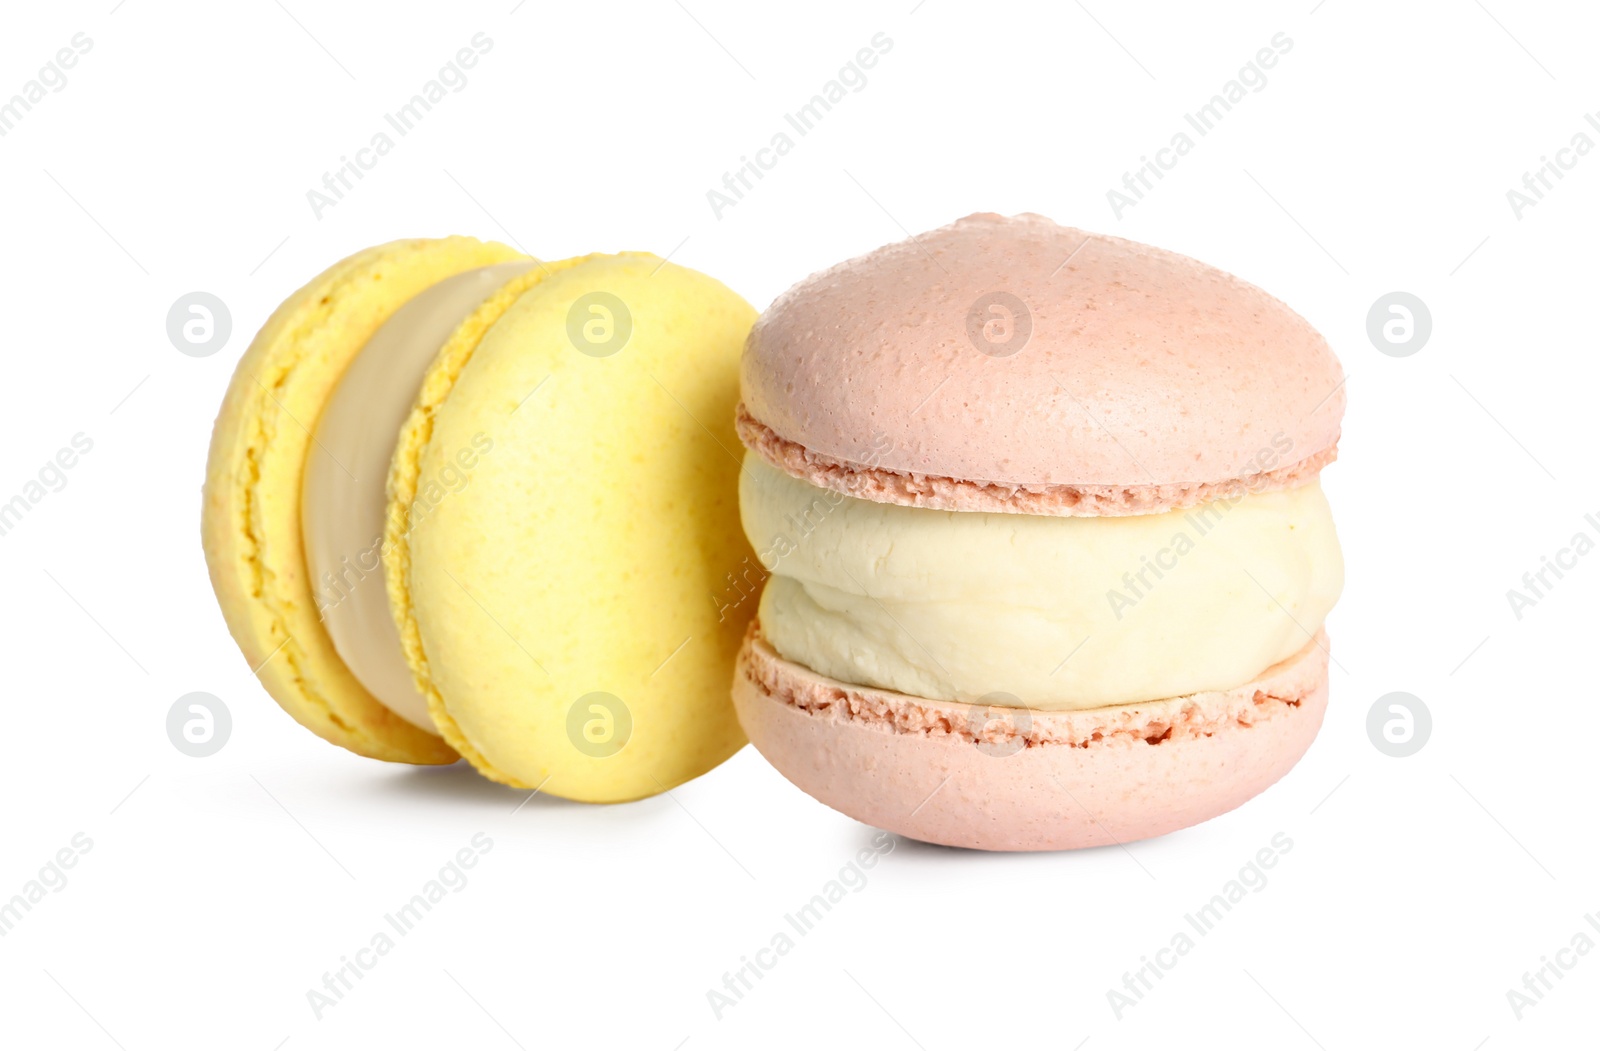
[[563, 518], [251, 526]]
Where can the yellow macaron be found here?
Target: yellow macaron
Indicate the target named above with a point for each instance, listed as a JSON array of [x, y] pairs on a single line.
[[461, 501]]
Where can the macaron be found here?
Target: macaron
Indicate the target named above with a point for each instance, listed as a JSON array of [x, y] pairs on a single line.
[[1046, 556], [464, 503]]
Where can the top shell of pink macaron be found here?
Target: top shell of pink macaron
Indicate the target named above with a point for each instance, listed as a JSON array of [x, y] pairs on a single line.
[[1014, 364]]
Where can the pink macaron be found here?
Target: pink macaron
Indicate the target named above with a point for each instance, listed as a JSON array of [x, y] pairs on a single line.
[[1045, 556]]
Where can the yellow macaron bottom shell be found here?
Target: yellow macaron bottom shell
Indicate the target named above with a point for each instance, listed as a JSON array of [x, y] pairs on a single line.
[[1051, 613], [560, 607], [343, 495], [251, 522]]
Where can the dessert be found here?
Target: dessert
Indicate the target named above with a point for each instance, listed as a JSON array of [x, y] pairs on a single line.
[[1049, 561], [461, 502]]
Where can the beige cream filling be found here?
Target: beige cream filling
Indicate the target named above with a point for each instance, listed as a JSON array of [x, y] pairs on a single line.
[[342, 500]]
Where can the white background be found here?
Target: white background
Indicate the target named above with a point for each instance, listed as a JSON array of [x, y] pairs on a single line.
[[1377, 158]]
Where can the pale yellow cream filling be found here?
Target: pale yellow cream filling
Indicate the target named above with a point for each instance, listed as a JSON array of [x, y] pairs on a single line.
[[1034, 611]]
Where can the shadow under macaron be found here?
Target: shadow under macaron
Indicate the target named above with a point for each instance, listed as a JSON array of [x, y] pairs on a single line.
[[460, 784]]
